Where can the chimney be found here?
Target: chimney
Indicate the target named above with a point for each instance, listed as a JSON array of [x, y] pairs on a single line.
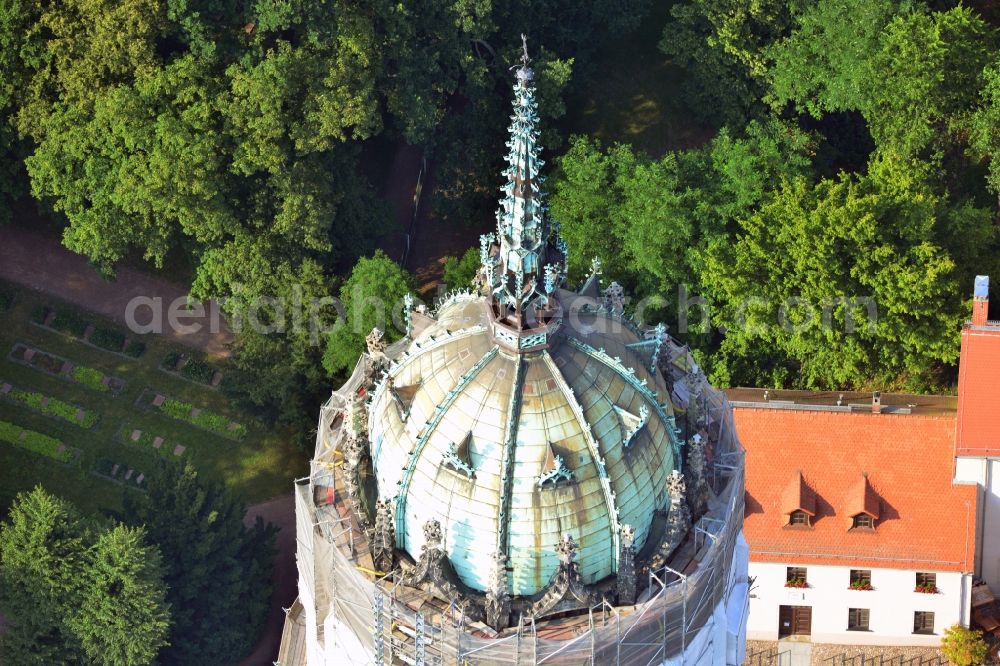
[[981, 300], [877, 402]]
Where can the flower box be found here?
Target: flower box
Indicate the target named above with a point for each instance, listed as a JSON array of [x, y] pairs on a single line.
[[797, 582], [926, 589], [861, 585]]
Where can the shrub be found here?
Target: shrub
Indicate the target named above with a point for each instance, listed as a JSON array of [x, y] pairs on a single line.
[[963, 647], [70, 322], [177, 409], [104, 466], [135, 349], [47, 363], [170, 361], [107, 338], [198, 371], [90, 378], [33, 441], [6, 299], [40, 313]]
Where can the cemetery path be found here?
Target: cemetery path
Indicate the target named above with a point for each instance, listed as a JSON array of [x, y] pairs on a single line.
[[41, 263], [281, 512]]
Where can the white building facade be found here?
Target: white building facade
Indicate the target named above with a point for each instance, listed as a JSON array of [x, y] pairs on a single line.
[[891, 613]]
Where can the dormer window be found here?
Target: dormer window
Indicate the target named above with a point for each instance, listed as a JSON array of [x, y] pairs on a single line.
[[863, 521], [798, 502], [863, 505], [798, 518]]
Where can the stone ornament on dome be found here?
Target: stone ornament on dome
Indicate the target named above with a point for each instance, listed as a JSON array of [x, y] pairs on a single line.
[[566, 550], [497, 594], [614, 298], [626, 583], [384, 539]]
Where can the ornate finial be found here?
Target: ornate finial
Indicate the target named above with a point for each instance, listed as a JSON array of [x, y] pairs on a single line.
[[408, 313], [524, 44], [595, 266], [566, 550], [432, 535], [614, 298], [384, 539], [375, 341]]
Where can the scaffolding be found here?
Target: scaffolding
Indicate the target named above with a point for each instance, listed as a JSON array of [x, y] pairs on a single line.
[[399, 625]]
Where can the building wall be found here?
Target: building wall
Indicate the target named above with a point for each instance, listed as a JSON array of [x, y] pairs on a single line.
[[891, 604], [986, 473]]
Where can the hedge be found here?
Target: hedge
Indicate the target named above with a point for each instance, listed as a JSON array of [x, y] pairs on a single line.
[[70, 322], [34, 441], [54, 407], [106, 338], [198, 371], [170, 361], [90, 378], [207, 420]]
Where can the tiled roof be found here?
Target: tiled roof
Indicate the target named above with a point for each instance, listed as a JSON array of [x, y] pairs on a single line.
[[924, 521], [861, 498], [797, 496], [978, 392]]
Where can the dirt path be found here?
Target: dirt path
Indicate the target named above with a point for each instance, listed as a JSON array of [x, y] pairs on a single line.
[[41, 263], [281, 512]]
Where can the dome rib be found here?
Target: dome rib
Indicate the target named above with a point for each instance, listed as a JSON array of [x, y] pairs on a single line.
[[510, 444], [428, 430], [595, 453]]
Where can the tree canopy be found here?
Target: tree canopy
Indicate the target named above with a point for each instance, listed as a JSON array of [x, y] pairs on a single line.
[[77, 589]]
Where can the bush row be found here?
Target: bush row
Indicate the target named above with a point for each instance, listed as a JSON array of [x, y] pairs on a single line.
[[34, 441], [75, 324], [53, 407], [207, 420]]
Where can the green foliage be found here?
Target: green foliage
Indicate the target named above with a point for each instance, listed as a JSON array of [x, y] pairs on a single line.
[[54, 407], [372, 296], [170, 361], [33, 441], [788, 285], [70, 322], [723, 44], [650, 221], [205, 419], [122, 617], [216, 569], [106, 338], [91, 378], [825, 64], [460, 272], [197, 370], [42, 551], [963, 647]]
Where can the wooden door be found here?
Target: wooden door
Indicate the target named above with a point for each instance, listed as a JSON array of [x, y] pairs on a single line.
[[794, 621]]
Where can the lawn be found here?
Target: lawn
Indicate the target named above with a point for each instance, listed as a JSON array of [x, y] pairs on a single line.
[[260, 465], [633, 95]]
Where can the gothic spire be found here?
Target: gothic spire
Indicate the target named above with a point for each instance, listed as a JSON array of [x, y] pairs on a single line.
[[531, 263]]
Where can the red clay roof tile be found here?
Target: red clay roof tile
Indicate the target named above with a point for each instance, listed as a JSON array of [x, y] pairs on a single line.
[[978, 392], [924, 520]]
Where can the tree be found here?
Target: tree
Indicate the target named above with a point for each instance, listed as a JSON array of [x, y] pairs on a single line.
[[963, 646], [650, 221], [723, 44], [824, 64], [121, 617], [836, 285], [217, 571], [41, 550], [460, 272], [78, 590], [372, 296]]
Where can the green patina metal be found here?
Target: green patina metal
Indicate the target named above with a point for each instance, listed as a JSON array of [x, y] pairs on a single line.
[[425, 434], [510, 446], [595, 452], [628, 374]]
